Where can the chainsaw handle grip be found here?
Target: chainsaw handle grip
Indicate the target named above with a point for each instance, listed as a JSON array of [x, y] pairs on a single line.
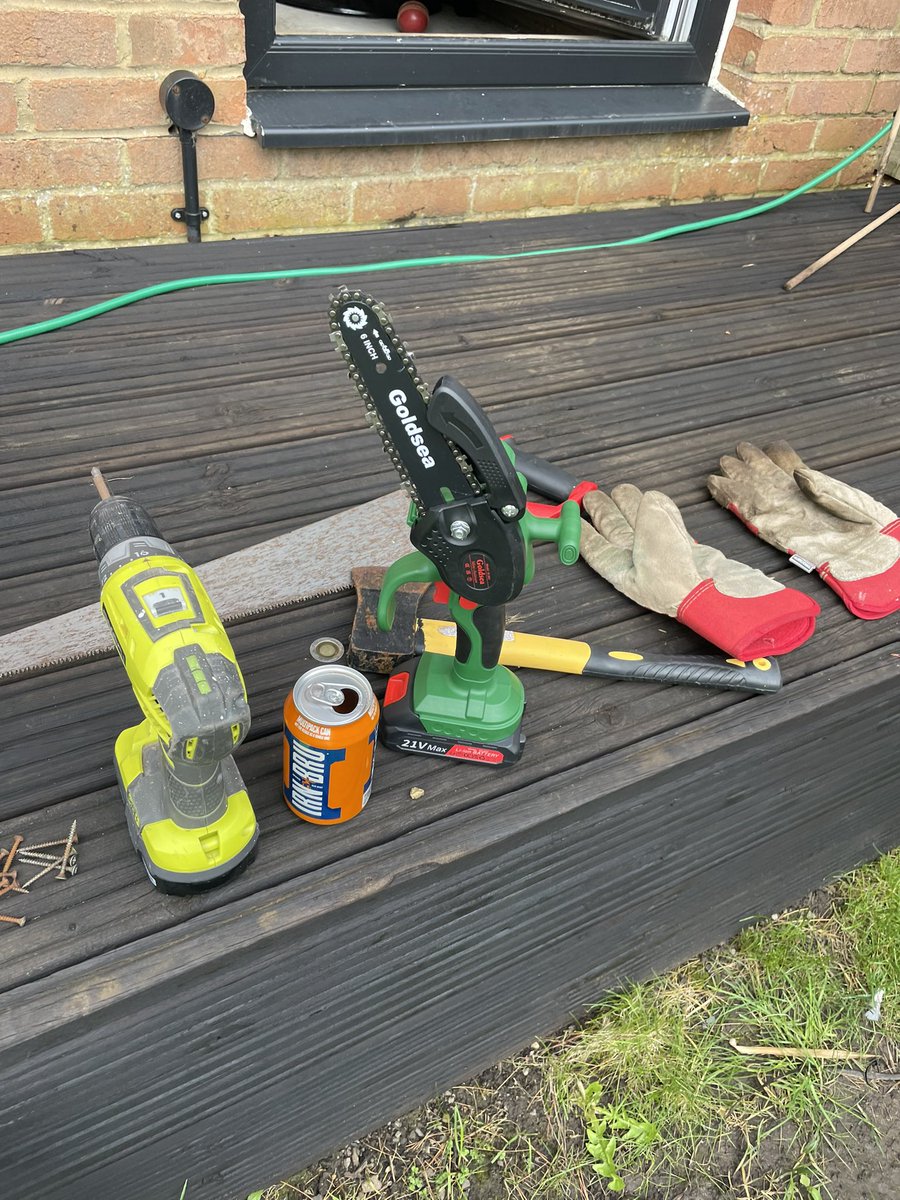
[[411, 568], [479, 636], [565, 530], [544, 477]]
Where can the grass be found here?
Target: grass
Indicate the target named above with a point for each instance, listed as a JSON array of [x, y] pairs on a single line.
[[648, 1095]]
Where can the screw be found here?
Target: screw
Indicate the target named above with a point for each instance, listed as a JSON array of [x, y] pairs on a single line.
[[40, 875], [17, 842], [509, 510], [66, 853], [46, 845], [14, 920], [460, 530]]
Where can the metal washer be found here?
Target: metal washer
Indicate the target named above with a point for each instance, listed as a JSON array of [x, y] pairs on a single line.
[[326, 650]]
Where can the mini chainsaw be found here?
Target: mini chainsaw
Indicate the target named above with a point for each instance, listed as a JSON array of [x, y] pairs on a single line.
[[473, 537]]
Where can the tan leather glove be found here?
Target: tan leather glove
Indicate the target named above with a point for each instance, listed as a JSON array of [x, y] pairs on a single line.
[[841, 532], [638, 542]]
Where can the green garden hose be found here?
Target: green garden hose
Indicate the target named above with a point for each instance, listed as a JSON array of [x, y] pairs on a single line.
[[449, 260]]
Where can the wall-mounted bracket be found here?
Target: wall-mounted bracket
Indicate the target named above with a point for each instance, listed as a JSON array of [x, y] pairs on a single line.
[[189, 104]]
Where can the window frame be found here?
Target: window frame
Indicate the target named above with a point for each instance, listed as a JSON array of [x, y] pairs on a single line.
[[375, 61]]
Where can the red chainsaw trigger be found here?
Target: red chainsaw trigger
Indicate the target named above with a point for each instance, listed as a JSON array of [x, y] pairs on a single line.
[[441, 595]]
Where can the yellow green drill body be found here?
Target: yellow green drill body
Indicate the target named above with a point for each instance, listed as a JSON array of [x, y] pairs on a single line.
[[188, 812]]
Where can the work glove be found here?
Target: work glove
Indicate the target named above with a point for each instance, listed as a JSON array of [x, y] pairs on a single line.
[[637, 541], [825, 525]]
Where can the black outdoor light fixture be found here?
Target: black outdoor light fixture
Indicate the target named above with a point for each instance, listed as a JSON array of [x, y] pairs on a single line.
[[189, 105]]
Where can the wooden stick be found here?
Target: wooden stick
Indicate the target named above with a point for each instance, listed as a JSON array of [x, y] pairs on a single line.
[[100, 483], [845, 245], [798, 1052], [882, 165]]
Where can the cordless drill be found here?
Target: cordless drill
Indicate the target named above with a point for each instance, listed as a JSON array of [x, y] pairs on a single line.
[[188, 813]]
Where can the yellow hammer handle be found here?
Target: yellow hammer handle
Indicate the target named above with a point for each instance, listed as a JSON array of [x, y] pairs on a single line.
[[519, 649]]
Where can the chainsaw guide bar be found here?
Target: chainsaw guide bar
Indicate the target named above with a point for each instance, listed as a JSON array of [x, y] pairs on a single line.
[[393, 392]]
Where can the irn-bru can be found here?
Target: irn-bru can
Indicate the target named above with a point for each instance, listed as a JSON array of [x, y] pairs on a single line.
[[330, 724]]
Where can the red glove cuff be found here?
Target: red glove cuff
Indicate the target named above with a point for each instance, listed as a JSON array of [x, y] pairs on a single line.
[[751, 627], [874, 596]]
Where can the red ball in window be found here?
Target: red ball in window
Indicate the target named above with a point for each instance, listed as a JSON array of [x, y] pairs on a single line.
[[412, 17]]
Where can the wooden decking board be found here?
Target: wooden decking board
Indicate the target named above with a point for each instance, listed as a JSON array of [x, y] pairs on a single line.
[[198, 500], [323, 404], [422, 940], [433, 923], [617, 715]]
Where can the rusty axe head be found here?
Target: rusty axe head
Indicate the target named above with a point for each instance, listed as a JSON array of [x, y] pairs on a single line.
[[379, 650]]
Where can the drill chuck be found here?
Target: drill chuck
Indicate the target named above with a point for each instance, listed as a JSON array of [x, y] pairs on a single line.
[[122, 530]]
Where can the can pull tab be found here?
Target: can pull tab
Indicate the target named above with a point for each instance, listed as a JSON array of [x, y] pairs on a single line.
[[327, 695]]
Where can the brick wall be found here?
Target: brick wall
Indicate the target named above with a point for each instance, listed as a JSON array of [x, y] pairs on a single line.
[[85, 159]]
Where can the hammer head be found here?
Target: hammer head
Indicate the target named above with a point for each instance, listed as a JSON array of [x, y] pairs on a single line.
[[378, 650]]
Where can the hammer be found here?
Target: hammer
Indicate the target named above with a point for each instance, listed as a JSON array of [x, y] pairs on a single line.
[[382, 651]]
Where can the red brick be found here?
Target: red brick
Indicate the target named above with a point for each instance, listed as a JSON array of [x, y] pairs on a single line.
[[114, 215], [189, 41], [885, 97], [73, 103], [781, 175], [378, 201], [158, 159], [857, 14], [627, 182], [47, 163], [19, 222], [813, 96], [859, 174], [762, 97], [522, 191], [44, 37], [793, 13], [547, 153], [278, 208], [763, 137], [840, 134], [8, 115], [716, 179], [393, 161], [231, 100], [795, 54], [874, 56], [742, 48]]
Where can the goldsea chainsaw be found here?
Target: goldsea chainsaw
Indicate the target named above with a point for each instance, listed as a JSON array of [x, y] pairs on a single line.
[[472, 532]]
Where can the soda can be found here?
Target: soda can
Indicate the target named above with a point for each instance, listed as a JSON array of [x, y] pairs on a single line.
[[330, 726]]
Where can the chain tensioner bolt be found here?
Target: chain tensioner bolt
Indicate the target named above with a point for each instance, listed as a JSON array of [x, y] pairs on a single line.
[[460, 530]]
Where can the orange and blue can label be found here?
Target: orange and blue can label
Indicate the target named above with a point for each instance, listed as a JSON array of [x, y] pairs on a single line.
[[330, 728]]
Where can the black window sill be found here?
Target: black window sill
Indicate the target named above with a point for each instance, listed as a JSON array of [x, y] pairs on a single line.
[[409, 115]]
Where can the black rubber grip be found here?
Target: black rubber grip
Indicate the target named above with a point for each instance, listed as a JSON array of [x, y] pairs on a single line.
[[551, 481], [692, 671]]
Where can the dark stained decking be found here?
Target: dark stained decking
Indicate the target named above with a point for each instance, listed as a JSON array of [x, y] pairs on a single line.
[[353, 971]]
